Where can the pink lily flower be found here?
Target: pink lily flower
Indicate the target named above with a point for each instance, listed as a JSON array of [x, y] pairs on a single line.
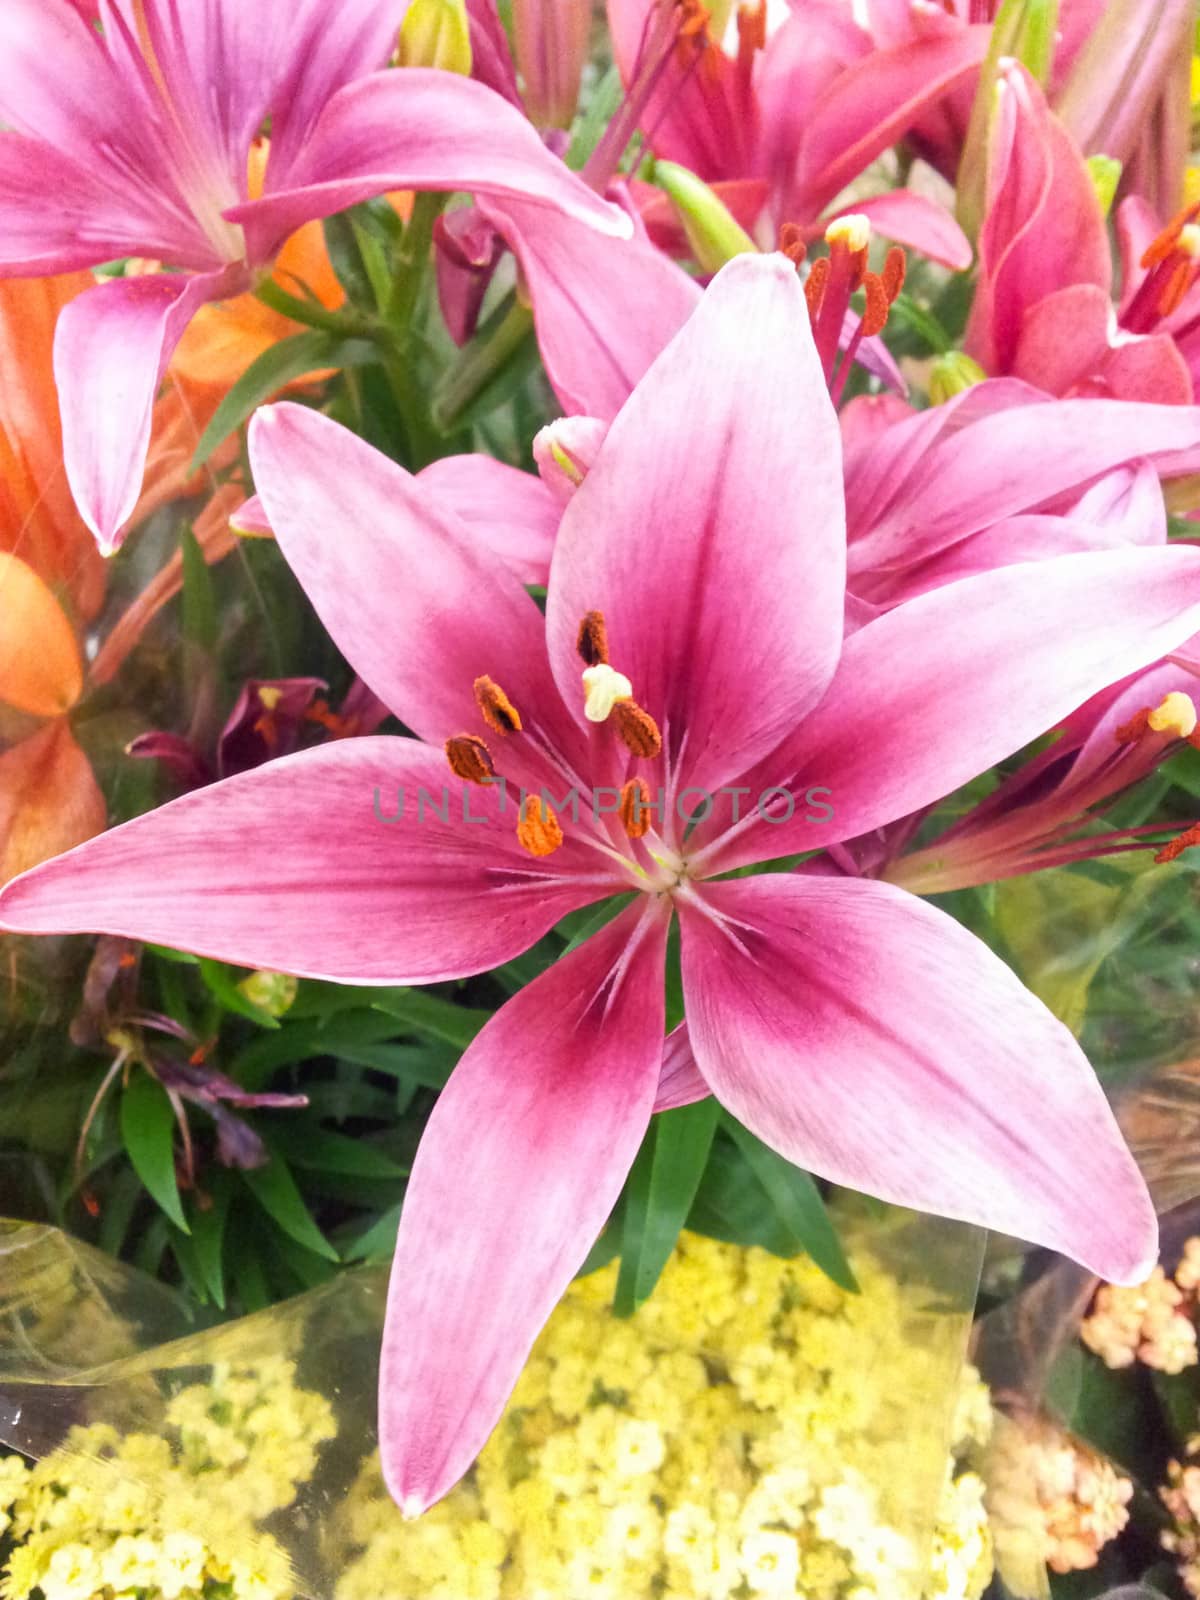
[[805, 108], [512, 515], [135, 140], [1048, 812], [1126, 92], [692, 640], [999, 474], [1115, 79], [1002, 474], [1043, 308], [1160, 282]]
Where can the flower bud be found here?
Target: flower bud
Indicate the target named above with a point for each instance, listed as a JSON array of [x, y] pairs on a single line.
[[564, 450], [272, 992], [551, 44], [1023, 31], [1105, 174], [713, 233], [435, 33], [951, 374]]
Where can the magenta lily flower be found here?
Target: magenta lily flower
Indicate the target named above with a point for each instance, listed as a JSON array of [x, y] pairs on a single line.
[[1003, 474], [1043, 308], [1048, 813], [135, 141], [999, 474], [693, 644], [804, 108]]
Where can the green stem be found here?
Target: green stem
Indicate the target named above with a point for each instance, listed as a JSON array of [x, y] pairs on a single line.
[[481, 363], [413, 262], [313, 315]]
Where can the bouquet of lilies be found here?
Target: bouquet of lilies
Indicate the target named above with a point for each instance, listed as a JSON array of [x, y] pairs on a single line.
[[655, 523]]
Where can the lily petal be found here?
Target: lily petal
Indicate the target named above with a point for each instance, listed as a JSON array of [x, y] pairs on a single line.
[[665, 509], [869, 106], [512, 514], [519, 1166], [1107, 97], [57, 83], [411, 599], [82, 227], [111, 348], [49, 798], [1021, 459], [40, 667], [417, 129], [1061, 339], [604, 308], [679, 1081], [295, 867], [872, 1039], [937, 691], [1043, 229], [916, 221]]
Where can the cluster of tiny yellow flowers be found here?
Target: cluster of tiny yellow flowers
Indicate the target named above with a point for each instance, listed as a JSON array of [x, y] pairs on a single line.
[[1153, 1322], [1061, 1499], [731, 1441], [170, 1515]]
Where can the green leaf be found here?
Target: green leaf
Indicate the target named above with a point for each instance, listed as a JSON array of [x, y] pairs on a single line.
[[324, 1151], [208, 1233], [435, 1018], [298, 1041], [275, 1190], [223, 988], [148, 1133], [924, 324], [601, 108], [182, 958], [797, 1200], [281, 364], [120, 1202], [184, 1250], [579, 926], [665, 1179], [488, 368], [378, 1243], [199, 601]]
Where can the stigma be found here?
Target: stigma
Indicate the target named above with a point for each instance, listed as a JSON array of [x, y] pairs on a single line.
[[603, 688], [1176, 715]]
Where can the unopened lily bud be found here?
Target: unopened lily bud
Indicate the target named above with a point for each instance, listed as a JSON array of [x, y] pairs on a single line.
[[951, 374], [435, 33], [714, 234], [1105, 174], [564, 451], [272, 992], [1022, 32], [551, 44]]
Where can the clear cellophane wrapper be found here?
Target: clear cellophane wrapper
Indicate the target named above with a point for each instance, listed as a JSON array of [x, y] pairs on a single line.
[[751, 1429]]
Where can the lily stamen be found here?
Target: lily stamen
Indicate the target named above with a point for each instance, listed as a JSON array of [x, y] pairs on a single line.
[[470, 758], [592, 640], [539, 830], [637, 728], [495, 707], [1185, 841], [635, 808]]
